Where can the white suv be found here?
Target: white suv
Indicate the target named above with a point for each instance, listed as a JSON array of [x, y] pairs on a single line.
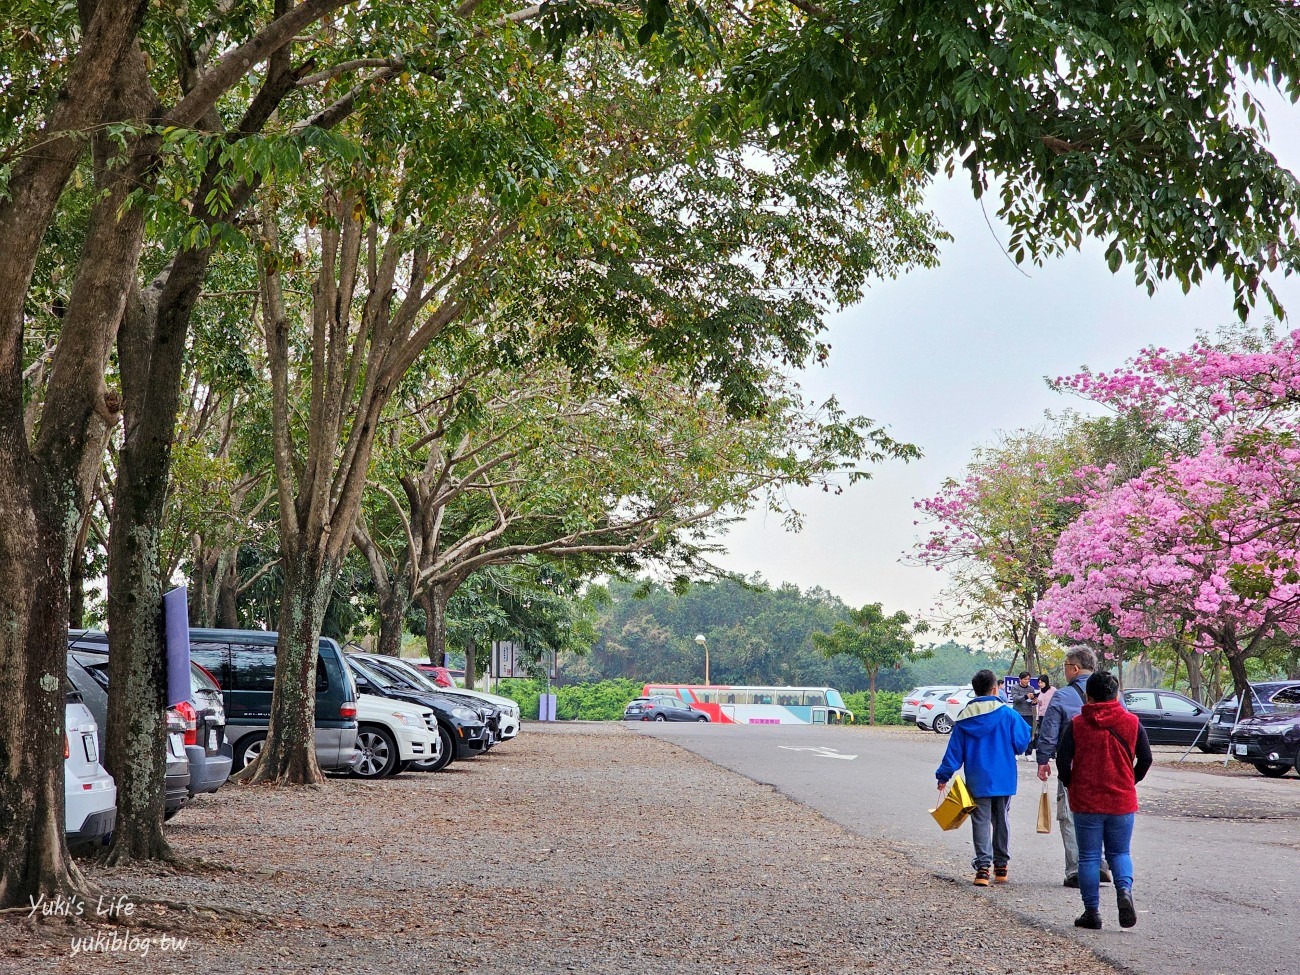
[[392, 734], [89, 792]]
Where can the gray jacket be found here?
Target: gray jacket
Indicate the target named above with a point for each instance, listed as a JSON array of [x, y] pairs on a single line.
[[1066, 703]]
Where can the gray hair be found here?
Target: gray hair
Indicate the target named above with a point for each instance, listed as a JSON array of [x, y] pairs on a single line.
[[1083, 658]]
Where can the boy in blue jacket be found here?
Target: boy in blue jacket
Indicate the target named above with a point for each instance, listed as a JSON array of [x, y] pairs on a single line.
[[986, 738]]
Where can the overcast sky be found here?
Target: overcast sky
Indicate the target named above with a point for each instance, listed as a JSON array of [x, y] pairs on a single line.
[[947, 358]]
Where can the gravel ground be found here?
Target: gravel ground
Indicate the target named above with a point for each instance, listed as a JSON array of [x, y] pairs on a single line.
[[581, 849]]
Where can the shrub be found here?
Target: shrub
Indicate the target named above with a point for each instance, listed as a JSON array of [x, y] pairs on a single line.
[[889, 706]]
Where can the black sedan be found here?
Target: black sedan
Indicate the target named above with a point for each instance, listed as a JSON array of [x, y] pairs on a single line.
[[662, 709], [1271, 742], [1225, 712], [1169, 718]]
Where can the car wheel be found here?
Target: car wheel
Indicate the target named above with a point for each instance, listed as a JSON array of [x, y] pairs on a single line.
[[1206, 749], [446, 757], [943, 724], [660, 717], [1274, 770], [377, 753], [246, 750], [702, 717]]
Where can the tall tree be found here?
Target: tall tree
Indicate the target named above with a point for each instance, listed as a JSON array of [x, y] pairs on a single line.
[[874, 640]]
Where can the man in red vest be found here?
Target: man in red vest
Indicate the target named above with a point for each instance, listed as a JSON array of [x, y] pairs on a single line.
[[1102, 755]]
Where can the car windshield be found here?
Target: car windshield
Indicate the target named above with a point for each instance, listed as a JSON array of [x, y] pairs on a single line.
[[1287, 700], [370, 673], [401, 670]]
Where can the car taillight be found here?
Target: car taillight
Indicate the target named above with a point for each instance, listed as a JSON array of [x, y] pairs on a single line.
[[929, 705], [189, 721], [347, 710], [67, 748], [952, 700]]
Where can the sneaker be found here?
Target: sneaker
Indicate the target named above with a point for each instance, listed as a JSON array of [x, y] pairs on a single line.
[[1001, 875], [1090, 918], [1128, 915], [982, 877], [1072, 882]]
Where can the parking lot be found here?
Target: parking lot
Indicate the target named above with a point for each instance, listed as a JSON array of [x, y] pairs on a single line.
[[579, 849]]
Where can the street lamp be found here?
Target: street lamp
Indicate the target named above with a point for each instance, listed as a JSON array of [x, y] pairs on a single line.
[[699, 638]]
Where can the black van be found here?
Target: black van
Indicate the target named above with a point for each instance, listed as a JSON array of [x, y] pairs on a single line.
[[243, 662]]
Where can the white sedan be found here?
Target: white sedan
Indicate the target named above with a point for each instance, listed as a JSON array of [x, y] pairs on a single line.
[[947, 707]]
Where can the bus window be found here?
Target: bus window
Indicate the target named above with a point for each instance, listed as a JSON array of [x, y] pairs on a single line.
[[815, 698], [762, 698], [833, 698]]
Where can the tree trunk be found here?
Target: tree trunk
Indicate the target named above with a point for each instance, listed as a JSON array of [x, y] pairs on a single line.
[[871, 706], [471, 664], [393, 606], [1031, 647], [289, 755], [228, 593], [34, 859], [1240, 681], [434, 601]]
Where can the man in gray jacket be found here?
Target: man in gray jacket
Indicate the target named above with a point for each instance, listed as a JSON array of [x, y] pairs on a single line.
[[1066, 703]]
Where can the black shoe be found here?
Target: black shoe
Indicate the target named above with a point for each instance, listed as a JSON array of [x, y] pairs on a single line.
[[1088, 919], [1128, 915], [1072, 882]]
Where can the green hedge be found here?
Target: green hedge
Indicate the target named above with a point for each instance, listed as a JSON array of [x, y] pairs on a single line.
[[889, 706], [602, 701]]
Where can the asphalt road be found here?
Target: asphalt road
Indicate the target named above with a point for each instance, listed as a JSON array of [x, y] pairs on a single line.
[[1217, 858]]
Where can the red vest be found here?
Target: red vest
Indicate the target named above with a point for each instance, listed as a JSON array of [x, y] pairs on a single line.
[[1101, 775]]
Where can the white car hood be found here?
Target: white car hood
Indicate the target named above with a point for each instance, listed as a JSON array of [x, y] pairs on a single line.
[[372, 708]]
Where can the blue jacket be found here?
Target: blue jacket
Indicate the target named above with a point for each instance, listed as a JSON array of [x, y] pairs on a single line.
[[986, 738], [1066, 703]]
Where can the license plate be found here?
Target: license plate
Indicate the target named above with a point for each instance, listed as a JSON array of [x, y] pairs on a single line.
[[88, 744], [1241, 749], [214, 740]]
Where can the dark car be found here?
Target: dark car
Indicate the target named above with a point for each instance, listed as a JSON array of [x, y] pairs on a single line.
[[1169, 718], [461, 729], [88, 671], [201, 721], [1225, 712], [1271, 742], [243, 664], [661, 709]]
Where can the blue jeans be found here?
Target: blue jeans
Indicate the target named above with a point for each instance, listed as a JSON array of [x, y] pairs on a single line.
[[1095, 830], [991, 831]]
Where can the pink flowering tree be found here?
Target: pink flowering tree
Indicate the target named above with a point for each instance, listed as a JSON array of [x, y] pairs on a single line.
[[995, 531], [1205, 546], [1246, 378]]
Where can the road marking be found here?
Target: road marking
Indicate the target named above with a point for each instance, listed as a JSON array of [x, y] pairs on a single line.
[[820, 751]]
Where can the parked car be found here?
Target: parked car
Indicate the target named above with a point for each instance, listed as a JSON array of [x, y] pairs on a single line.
[[661, 709], [1225, 712], [88, 672], [946, 708], [201, 721], [392, 735], [462, 731], [1271, 742], [89, 793], [243, 663], [407, 673], [912, 699], [1169, 718]]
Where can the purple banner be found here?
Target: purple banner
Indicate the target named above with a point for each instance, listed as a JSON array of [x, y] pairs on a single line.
[[176, 617]]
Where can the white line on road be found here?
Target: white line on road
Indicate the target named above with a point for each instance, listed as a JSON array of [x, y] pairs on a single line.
[[819, 751]]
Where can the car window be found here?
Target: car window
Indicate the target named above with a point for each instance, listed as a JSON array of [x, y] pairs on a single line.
[[254, 669], [1140, 700], [1288, 697], [213, 657], [1176, 704]]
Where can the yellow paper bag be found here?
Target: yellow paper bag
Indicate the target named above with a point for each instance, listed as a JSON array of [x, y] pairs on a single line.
[[956, 806], [1044, 811]]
